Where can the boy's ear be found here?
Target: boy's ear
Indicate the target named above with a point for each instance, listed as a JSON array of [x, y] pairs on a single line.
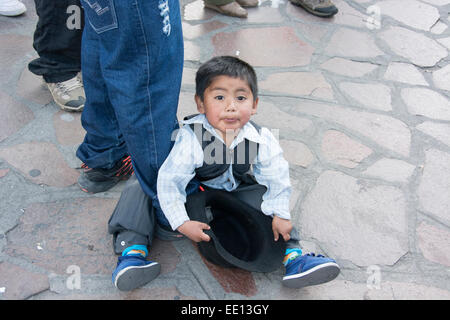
[[255, 106], [200, 106]]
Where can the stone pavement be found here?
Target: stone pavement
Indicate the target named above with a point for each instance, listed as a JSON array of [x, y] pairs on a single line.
[[361, 105]]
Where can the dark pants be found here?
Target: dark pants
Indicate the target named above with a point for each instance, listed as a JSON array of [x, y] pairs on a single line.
[[134, 220], [58, 47]]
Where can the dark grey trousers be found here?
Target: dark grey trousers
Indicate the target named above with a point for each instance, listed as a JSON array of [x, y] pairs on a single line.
[[133, 221]]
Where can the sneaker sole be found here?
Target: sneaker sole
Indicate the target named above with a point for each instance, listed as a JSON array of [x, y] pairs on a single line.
[[317, 275], [98, 186], [316, 13], [134, 277]]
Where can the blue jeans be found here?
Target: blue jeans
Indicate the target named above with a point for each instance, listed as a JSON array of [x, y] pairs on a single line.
[[132, 62]]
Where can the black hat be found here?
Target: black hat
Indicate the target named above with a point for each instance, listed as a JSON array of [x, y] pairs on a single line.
[[241, 235]]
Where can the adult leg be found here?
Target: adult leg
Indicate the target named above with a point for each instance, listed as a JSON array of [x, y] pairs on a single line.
[[58, 47], [141, 61]]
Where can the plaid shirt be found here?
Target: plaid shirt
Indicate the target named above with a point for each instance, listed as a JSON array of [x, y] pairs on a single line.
[[270, 169]]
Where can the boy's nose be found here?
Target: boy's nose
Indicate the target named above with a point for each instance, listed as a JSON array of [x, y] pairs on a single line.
[[230, 105]]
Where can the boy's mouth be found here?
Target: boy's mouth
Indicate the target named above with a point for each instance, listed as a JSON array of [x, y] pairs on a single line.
[[230, 120]]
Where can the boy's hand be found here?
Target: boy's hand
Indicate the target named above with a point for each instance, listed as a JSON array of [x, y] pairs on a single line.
[[194, 230], [281, 226]]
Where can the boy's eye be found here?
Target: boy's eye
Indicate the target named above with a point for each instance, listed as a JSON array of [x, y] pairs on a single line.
[[241, 98], [219, 97]]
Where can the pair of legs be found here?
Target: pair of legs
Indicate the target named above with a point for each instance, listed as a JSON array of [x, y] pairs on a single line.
[[135, 222], [57, 40], [132, 62]]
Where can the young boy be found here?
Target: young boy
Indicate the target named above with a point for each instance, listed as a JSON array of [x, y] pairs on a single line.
[[226, 98]]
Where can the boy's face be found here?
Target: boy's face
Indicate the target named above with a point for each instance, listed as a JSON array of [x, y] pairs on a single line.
[[227, 103]]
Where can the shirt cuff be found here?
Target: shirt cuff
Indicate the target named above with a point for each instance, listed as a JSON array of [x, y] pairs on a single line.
[[178, 216]]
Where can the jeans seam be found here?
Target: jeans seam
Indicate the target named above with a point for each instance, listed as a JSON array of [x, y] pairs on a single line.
[[148, 83]]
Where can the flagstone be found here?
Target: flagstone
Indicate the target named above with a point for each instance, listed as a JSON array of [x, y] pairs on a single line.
[[32, 87], [195, 11], [270, 116], [405, 73], [192, 51], [343, 44], [14, 46], [19, 283], [434, 243], [439, 131], [298, 83], [426, 102], [68, 129], [445, 42], [438, 2], [270, 46], [41, 163], [264, 15], [195, 31], [412, 13], [392, 170], [434, 184], [414, 46], [386, 131], [348, 68], [441, 78], [297, 153], [15, 115], [339, 148], [373, 96], [354, 218], [439, 28]]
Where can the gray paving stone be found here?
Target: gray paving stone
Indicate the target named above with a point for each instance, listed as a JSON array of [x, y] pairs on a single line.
[[441, 78], [372, 96], [390, 170], [434, 184], [413, 46], [297, 153], [405, 73], [426, 102], [387, 131], [439, 131], [298, 83], [434, 243], [343, 40], [356, 221], [348, 68], [15, 115], [339, 148], [412, 13]]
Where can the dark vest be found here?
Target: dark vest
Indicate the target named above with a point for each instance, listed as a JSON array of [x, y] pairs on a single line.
[[217, 158]]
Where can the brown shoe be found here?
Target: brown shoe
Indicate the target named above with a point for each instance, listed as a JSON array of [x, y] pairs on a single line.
[[248, 3], [230, 9], [321, 8]]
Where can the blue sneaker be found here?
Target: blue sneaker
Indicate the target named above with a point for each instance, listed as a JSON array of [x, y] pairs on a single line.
[[133, 272], [308, 270]]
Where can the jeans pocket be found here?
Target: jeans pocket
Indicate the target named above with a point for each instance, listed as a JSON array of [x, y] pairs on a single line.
[[101, 14]]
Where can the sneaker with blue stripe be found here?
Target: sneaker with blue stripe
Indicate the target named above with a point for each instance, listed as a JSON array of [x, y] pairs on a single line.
[[309, 270], [133, 272]]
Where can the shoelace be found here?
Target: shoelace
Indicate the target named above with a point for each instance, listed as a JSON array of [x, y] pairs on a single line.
[[70, 84], [124, 169]]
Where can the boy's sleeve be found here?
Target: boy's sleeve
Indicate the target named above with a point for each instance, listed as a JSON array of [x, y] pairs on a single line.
[[272, 171], [174, 175]]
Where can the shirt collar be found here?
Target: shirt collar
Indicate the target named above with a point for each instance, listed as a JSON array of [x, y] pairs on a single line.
[[248, 131]]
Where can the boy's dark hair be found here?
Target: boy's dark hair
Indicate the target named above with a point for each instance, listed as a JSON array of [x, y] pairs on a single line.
[[225, 66]]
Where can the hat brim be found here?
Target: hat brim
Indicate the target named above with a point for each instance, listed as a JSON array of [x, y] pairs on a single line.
[[241, 235]]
